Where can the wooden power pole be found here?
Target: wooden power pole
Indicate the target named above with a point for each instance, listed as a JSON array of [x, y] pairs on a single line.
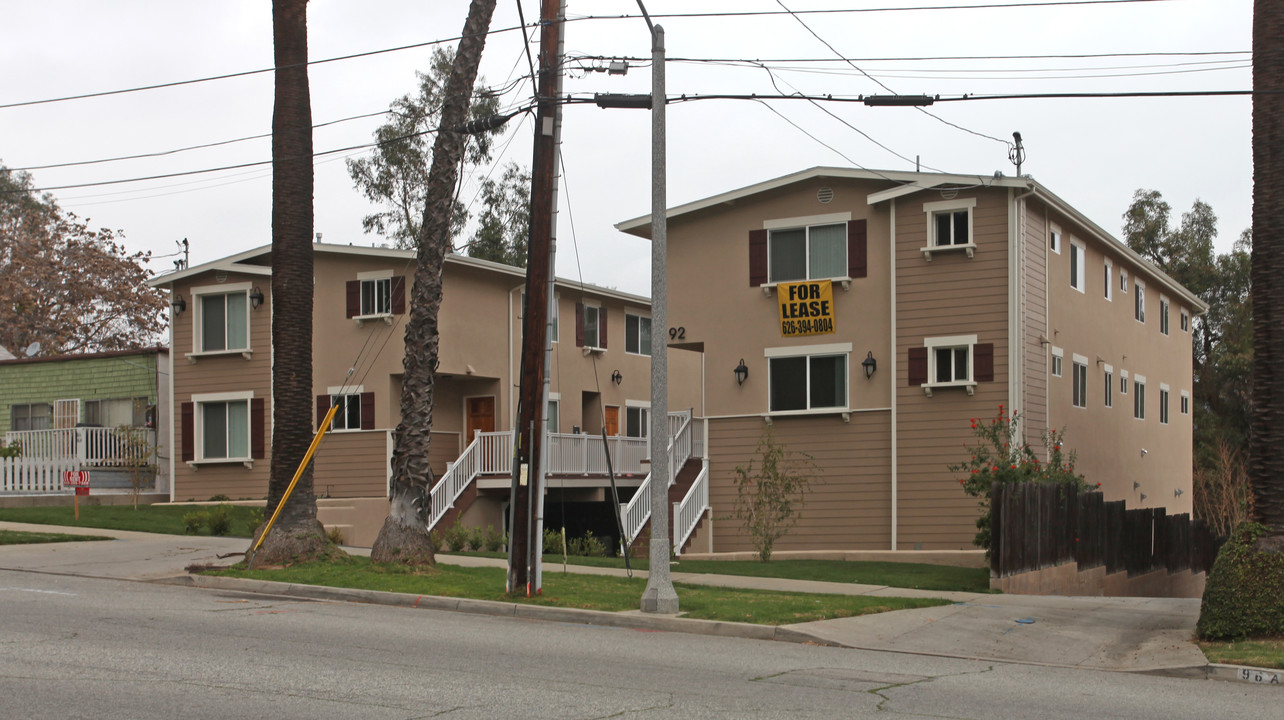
[[527, 484]]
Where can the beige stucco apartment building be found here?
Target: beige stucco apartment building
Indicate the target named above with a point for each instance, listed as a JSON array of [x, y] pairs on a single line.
[[222, 379], [948, 297]]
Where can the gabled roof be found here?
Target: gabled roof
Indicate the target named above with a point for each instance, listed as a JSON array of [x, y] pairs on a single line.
[[906, 183], [258, 261]]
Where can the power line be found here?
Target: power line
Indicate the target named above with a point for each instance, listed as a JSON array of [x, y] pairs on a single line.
[[922, 58], [834, 11]]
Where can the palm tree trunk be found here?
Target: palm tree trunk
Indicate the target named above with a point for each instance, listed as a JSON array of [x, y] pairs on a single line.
[[404, 536], [1266, 443], [297, 534]]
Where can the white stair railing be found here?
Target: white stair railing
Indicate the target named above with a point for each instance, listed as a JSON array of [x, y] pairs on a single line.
[[452, 484], [637, 511], [687, 514]]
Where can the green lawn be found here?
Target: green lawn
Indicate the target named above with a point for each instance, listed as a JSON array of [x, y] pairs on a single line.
[[165, 519], [593, 592], [1253, 653], [18, 537]]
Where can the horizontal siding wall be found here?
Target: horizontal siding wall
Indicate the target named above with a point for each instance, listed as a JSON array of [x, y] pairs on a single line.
[[951, 295], [1034, 319], [847, 507], [352, 464]]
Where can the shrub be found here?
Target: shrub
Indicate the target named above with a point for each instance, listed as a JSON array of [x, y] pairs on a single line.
[[475, 539], [1000, 454], [219, 519], [1242, 595], [456, 537], [219, 498], [335, 535], [587, 546], [494, 541], [769, 498], [194, 521], [553, 544], [255, 519]]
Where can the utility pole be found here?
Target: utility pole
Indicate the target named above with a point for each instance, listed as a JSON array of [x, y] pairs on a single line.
[[526, 496], [659, 595]]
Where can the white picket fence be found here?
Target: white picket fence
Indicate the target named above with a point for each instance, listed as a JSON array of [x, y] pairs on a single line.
[[34, 475]]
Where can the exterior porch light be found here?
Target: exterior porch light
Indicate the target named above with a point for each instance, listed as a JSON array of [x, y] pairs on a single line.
[[180, 305], [256, 297], [742, 372], [869, 364], [616, 377]]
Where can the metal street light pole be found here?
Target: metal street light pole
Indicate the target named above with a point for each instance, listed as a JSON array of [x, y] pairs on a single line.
[[659, 596]]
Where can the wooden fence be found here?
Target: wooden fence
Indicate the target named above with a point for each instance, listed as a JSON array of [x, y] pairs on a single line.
[[1036, 526]]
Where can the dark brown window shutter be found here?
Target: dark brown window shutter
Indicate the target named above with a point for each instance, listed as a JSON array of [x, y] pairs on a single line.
[[917, 365], [367, 411], [398, 294], [983, 362], [187, 411], [354, 298], [601, 327], [857, 250], [323, 407], [256, 429], [757, 257], [579, 324]]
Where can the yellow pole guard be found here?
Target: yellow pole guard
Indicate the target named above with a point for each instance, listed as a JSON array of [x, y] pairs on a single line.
[[307, 458]]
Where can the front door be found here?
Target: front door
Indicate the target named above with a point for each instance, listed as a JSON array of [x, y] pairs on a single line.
[[612, 420], [481, 416]]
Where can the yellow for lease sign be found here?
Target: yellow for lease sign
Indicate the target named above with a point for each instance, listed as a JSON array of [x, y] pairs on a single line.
[[806, 308]]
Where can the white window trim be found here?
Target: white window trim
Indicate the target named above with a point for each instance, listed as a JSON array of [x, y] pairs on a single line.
[[809, 351], [627, 313], [1053, 368], [931, 208], [804, 222], [1080, 280], [1165, 310], [224, 289], [794, 222], [1081, 361], [1165, 412], [370, 276], [1109, 374], [333, 390], [1138, 381], [1123, 281], [640, 405], [1185, 403], [1054, 238], [950, 341], [1110, 280], [1185, 320], [1123, 382], [198, 427], [1139, 302], [597, 305]]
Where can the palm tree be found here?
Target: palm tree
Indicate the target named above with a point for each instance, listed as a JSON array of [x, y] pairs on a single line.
[[1266, 443], [404, 536], [297, 533]]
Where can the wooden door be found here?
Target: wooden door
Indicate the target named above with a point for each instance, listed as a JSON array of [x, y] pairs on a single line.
[[612, 420], [481, 416]]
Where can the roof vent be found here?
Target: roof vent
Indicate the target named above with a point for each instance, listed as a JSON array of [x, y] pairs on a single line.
[[825, 195]]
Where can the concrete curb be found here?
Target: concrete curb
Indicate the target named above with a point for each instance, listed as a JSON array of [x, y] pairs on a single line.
[[1245, 674], [632, 620]]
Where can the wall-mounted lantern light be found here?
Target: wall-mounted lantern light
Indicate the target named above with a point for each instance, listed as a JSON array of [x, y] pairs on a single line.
[[179, 304], [616, 377], [742, 372], [869, 364], [256, 297]]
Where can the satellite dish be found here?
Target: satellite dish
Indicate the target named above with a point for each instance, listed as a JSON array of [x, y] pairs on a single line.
[[32, 349]]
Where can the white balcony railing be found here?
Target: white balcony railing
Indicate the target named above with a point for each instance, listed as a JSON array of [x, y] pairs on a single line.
[[88, 446]]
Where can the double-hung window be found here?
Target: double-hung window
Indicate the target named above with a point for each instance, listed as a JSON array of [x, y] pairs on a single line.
[[1054, 240], [376, 297], [1110, 280], [593, 326], [1164, 394], [949, 360], [1139, 397], [348, 414], [1058, 356], [637, 331], [1079, 392], [1123, 382], [222, 318], [1185, 320], [808, 377], [949, 225], [1077, 269], [637, 419], [223, 426], [812, 252], [1185, 403], [1139, 301], [1163, 314]]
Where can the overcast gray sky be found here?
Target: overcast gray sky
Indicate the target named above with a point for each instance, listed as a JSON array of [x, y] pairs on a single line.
[[1092, 152]]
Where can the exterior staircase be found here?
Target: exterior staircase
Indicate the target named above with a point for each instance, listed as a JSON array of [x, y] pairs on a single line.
[[678, 491]]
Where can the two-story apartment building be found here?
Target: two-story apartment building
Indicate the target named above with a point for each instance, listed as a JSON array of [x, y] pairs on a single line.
[[871, 317], [222, 379]]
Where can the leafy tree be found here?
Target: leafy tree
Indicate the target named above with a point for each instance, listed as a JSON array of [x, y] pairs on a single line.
[[1001, 454], [404, 536], [297, 534], [770, 496], [505, 221], [395, 176], [64, 285]]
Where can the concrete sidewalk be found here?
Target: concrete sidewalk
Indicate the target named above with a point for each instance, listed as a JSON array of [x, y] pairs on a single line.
[[1122, 634]]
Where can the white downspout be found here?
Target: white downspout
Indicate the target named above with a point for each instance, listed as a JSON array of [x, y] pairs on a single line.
[[1016, 301], [895, 352]]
